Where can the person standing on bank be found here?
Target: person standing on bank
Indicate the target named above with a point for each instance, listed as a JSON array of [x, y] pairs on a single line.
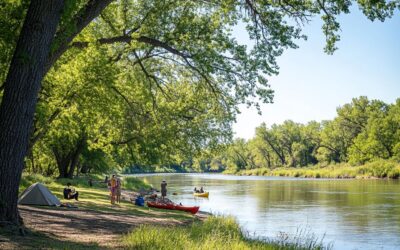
[[118, 190], [163, 189], [113, 189]]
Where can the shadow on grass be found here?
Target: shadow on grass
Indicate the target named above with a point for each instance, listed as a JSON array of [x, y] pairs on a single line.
[[37, 240], [107, 223]]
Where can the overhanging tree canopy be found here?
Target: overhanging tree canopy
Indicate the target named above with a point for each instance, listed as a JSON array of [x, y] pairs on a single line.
[[195, 35]]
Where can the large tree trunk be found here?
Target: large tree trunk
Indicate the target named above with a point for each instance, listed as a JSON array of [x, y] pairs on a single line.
[[75, 158], [68, 157], [20, 96], [63, 161]]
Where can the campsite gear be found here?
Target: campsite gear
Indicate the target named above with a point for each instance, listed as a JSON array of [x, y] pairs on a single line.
[[139, 201], [201, 194], [172, 206], [38, 194], [67, 205]]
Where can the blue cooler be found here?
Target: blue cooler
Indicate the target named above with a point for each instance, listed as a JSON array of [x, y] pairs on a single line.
[[139, 201]]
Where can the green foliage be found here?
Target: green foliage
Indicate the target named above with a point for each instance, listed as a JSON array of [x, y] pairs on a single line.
[[29, 179], [363, 132], [12, 13], [380, 137], [375, 169], [154, 83], [133, 183]]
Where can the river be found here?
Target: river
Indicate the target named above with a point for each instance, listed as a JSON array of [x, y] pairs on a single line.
[[350, 214]]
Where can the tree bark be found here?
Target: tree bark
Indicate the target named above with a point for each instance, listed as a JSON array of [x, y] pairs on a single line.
[[63, 161], [280, 155], [75, 156], [20, 96]]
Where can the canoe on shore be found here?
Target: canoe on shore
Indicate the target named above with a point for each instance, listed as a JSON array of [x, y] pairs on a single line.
[[201, 194], [172, 206]]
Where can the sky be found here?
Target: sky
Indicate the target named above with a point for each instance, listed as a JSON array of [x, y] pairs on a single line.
[[312, 84]]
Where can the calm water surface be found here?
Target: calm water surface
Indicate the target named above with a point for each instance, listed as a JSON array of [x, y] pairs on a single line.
[[351, 214]]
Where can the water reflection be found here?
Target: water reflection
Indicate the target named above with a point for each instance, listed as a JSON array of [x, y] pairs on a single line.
[[354, 214]]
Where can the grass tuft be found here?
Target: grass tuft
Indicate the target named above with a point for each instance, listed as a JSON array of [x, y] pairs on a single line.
[[214, 233]]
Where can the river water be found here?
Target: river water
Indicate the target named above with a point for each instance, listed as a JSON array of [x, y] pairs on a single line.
[[350, 214]]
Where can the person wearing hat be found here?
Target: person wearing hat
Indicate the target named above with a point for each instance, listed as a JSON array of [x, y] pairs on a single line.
[[163, 189]]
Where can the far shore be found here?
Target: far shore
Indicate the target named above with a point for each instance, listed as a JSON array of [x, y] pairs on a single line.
[[381, 169]]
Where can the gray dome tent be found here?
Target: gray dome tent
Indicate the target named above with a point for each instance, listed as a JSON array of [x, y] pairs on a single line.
[[38, 194]]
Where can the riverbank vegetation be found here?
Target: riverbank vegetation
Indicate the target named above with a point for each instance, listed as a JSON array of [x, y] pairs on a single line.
[[129, 226], [363, 140], [213, 233], [376, 169], [148, 83]]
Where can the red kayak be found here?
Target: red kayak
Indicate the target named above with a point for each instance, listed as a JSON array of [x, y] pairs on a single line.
[[172, 206]]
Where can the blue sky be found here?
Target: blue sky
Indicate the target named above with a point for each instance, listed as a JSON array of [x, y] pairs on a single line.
[[312, 84]]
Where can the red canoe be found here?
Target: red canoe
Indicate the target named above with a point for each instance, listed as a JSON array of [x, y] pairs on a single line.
[[172, 206]]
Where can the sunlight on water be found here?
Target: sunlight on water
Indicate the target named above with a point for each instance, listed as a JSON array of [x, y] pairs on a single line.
[[353, 214]]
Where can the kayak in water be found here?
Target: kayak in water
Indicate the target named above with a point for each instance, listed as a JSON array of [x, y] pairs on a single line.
[[201, 194]]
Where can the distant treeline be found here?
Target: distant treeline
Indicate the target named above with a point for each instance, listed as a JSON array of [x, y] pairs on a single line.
[[363, 131], [172, 168]]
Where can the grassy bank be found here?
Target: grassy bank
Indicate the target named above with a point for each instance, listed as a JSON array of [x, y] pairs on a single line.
[[213, 233], [95, 197], [377, 169], [153, 228]]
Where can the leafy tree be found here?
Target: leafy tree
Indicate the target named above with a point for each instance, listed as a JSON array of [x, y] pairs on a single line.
[[380, 138], [333, 143], [338, 135], [237, 155], [200, 39]]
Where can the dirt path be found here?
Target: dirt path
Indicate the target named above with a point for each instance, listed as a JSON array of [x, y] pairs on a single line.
[[82, 228]]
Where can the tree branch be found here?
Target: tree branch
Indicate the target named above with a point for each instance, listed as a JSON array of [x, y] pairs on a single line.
[[128, 39], [89, 12]]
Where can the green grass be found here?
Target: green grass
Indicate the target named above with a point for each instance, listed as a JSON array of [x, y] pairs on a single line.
[[376, 169], [213, 233], [97, 197]]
